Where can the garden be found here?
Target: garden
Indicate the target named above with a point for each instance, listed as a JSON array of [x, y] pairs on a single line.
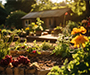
[[66, 53]]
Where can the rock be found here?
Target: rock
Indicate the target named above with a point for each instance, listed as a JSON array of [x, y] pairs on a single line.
[[42, 72], [21, 71], [44, 33], [16, 71], [9, 71], [1, 68], [30, 70]]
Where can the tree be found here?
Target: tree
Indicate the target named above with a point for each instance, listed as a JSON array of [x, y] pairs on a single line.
[[23, 5], [41, 5], [14, 19], [80, 8], [3, 14]]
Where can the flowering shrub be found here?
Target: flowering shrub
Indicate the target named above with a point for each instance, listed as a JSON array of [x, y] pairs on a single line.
[[15, 62], [62, 47], [6, 61], [79, 39], [80, 64]]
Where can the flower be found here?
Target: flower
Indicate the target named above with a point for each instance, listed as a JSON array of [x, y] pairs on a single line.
[[34, 51], [84, 21], [88, 25], [36, 25], [83, 30], [80, 39], [66, 13], [27, 28], [78, 30], [75, 31]]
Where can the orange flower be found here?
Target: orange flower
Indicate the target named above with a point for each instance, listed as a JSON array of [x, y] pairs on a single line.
[[75, 31], [79, 40], [79, 30], [83, 30], [66, 13]]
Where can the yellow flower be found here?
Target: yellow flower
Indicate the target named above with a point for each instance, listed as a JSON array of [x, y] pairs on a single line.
[[78, 30], [80, 39], [83, 30], [27, 28], [36, 25], [75, 31]]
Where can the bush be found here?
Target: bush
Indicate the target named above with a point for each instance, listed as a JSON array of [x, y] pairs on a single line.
[[14, 19]]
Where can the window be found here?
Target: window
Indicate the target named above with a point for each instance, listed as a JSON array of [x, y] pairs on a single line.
[[26, 22], [29, 22]]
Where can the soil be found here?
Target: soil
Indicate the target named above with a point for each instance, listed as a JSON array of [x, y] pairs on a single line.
[[46, 61]]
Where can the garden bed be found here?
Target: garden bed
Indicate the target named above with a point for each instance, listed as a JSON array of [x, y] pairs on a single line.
[[39, 65]]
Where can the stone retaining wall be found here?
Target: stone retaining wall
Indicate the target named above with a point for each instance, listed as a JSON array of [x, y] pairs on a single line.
[[22, 71]]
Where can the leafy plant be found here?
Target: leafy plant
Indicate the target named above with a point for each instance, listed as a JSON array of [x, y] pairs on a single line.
[[62, 47], [46, 45], [5, 45]]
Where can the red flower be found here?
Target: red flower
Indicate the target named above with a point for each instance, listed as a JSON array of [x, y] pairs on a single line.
[[34, 51], [66, 13]]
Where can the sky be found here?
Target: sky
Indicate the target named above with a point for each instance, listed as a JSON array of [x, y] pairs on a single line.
[[4, 1], [57, 1]]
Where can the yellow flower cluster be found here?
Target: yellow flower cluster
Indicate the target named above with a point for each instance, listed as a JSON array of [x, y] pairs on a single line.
[[27, 28], [78, 30], [79, 39]]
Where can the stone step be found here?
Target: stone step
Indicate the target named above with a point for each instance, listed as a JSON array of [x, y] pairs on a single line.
[[42, 38]]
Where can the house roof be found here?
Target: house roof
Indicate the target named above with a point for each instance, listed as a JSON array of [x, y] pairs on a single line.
[[49, 13]]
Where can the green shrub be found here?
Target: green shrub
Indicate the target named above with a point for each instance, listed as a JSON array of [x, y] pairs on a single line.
[[69, 27], [14, 19], [5, 45], [80, 64], [46, 45], [62, 47]]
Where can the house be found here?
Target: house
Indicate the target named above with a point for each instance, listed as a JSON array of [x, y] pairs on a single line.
[[51, 18]]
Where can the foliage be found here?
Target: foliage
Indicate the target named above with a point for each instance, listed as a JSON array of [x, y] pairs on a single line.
[[35, 26], [46, 45], [19, 5], [58, 27], [70, 25], [5, 44], [14, 19], [41, 5], [6, 61], [79, 65], [62, 47], [80, 9], [15, 62], [77, 6], [3, 14]]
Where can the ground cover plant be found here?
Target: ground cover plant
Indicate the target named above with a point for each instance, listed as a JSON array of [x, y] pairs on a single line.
[[80, 63]]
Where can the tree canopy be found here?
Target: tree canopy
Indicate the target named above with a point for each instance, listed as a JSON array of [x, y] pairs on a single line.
[[3, 14], [14, 19], [23, 5]]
